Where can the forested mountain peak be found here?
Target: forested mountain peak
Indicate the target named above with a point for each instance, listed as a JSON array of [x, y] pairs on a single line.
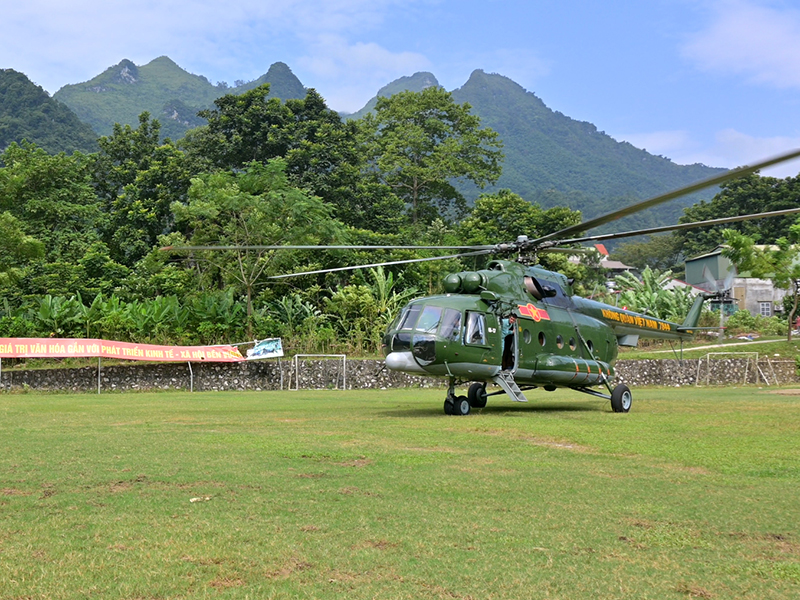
[[283, 83], [554, 159], [165, 90], [413, 83], [27, 112]]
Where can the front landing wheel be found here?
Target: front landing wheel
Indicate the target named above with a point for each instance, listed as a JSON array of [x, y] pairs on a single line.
[[461, 406], [621, 398]]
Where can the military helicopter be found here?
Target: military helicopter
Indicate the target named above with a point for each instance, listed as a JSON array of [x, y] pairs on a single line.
[[521, 327]]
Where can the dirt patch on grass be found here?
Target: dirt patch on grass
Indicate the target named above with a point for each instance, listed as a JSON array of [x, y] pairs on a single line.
[[13, 492], [543, 442], [225, 582], [292, 566], [358, 463], [693, 591], [557, 444], [352, 490], [376, 544], [791, 392]]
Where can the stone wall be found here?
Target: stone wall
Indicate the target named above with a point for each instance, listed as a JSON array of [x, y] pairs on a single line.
[[328, 374]]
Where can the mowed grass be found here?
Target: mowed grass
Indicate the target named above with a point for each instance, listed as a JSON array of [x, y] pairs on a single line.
[[378, 494]]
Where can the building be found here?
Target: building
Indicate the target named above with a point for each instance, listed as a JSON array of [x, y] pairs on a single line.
[[757, 296]]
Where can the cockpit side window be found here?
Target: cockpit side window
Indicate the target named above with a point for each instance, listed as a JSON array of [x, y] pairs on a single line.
[[451, 324], [429, 320], [410, 318], [476, 329]]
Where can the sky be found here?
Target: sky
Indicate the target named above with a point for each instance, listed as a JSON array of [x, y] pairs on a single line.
[[709, 81]]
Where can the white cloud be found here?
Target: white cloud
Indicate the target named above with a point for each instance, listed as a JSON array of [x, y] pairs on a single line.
[[358, 69], [729, 148], [56, 43], [749, 38]]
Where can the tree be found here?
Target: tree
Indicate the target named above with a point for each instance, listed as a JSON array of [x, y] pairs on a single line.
[[780, 263], [255, 207], [660, 252], [137, 178], [418, 143], [746, 195], [504, 216], [52, 198], [16, 249], [319, 149]]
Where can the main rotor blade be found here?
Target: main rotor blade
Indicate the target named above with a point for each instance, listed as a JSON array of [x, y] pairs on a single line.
[[661, 198], [322, 247], [623, 234], [383, 264]]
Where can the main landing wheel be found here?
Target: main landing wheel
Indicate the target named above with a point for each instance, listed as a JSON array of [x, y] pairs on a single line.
[[477, 395], [449, 406], [461, 406], [621, 398]]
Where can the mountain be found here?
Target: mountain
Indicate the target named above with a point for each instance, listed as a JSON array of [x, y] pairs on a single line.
[[162, 88], [550, 156], [554, 160], [27, 112], [415, 83]]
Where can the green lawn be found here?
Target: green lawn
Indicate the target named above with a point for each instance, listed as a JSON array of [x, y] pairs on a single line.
[[378, 494]]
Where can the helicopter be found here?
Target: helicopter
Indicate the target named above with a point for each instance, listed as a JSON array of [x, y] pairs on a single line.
[[521, 326]]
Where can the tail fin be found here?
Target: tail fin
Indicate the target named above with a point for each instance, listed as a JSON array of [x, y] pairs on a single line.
[[694, 313]]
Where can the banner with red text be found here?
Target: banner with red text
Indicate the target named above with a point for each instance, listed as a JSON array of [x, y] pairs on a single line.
[[62, 348]]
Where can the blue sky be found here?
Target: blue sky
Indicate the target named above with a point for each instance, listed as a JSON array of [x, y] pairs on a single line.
[[711, 81]]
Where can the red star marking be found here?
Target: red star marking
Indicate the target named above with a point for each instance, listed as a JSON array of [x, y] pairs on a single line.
[[537, 314]]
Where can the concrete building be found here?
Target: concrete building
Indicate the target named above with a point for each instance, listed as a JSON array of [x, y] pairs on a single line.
[[757, 296]]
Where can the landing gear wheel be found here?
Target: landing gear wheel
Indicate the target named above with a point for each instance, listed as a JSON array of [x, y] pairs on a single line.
[[621, 398], [449, 406], [461, 406], [477, 395]]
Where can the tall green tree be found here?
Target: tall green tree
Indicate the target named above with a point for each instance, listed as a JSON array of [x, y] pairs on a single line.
[[53, 199], [137, 178], [747, 195], [257, 206], [321, 151], [16, 249], [419, 143], [659, 252], [779, 262]]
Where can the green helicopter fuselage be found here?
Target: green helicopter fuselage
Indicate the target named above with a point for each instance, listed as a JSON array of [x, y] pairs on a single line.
[[557, 340]]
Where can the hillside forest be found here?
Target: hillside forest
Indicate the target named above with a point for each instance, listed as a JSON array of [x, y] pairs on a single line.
[[82, 234]]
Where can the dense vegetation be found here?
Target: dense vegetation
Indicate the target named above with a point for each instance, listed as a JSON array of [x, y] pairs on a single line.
[[82, 232]]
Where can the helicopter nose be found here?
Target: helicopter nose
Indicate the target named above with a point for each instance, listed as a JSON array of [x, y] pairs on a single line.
[[403, 361]]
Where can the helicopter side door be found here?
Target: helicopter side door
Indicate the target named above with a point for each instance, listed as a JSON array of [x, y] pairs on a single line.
[[482, 337]]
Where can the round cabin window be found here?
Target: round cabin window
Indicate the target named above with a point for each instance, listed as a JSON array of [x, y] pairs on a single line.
[[590, 345], [542, 338], [572, 343], [559, 341], [526, 336]]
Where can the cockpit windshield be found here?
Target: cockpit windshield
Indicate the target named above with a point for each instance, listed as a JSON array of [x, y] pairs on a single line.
[[429, 320], [410, 317]]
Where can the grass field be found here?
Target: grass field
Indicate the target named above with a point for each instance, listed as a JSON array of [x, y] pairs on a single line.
[[378, 494]]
